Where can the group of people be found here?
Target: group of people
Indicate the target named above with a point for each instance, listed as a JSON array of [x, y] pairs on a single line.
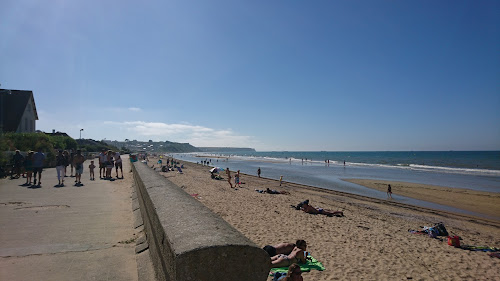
[[108, 160], [288, 255], [32, 165], [65, 159], [236, 178]]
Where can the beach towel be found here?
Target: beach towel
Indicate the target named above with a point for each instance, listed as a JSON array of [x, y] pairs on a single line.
[[480, 248], [312, 263]]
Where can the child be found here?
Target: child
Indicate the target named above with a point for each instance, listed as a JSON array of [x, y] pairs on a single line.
[[281, 180], [237, 179], [91, 169]]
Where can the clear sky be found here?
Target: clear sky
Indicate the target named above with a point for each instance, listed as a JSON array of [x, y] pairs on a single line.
[[272, 75]]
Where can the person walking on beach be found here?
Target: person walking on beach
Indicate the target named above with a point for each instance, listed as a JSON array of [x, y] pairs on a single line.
[[237, 179], [228, 173], [258, 172], [281, 180], [389, 191]]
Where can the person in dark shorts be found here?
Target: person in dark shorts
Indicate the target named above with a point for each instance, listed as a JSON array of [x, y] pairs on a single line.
[[18, 160], [38, 160], [118, 164], [102, 164], [284, 248]]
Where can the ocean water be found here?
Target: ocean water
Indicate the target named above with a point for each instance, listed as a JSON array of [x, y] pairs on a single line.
[[476, 170]]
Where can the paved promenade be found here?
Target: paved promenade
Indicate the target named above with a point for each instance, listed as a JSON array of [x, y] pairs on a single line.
[[70, 232]]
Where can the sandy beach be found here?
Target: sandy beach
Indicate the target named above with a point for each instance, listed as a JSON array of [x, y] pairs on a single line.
[[476, 201], [371, 242]]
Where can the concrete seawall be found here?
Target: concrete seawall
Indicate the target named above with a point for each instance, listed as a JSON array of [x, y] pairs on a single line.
[[188, 241]]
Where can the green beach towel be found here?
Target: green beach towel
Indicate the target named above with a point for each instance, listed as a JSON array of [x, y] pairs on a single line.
[[312, 263]]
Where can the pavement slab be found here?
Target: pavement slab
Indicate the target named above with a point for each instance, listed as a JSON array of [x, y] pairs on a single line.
[[68, 233]]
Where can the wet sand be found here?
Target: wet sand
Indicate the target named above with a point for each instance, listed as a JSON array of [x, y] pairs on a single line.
[[487, 203], [371, 242]]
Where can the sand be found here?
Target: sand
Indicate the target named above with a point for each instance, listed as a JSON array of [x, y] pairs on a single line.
[[476, 201], [371, 242]]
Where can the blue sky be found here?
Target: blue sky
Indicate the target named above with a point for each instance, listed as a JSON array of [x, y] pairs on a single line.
[[272, 75]]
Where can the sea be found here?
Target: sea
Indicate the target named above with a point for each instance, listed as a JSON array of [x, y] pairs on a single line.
[[476, 170]]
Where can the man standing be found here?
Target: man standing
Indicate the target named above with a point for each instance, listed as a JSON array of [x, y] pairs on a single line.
[[18, 160], [78, 160], [102, 163], [118, 163], [38, 160]]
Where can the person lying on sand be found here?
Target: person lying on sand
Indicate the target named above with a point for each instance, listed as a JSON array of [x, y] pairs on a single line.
[[304, 206], [284, 248], [298, 255], [273, 191]]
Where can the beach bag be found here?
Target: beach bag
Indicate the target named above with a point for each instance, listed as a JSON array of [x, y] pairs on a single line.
[[454, 241], [279, 276]]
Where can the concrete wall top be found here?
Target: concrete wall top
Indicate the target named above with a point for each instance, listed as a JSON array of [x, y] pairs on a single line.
[[195, 242]]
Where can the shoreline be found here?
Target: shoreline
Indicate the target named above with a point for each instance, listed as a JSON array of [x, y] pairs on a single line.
[[371, 242], [481, 202]]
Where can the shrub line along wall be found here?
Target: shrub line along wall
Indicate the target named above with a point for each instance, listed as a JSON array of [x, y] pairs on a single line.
[[187, 241]]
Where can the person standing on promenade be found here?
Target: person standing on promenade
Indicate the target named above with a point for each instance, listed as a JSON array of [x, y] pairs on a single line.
[[71, 161], [389, 191], [78, 160], [228, 173], [28, 167], [91, 169], [102, 163], [60, 166], [258, 172], [18, 160], [66, 155], [109, 164], [38, 160], [118, 163]]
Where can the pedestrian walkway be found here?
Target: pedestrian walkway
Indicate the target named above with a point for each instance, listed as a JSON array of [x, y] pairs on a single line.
[[68, 233]]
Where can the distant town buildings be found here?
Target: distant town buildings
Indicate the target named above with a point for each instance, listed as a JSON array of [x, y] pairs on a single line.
[[17, 111]]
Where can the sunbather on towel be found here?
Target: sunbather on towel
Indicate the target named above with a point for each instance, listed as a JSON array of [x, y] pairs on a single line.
[[284, 248], [298, 255], [311, 210]]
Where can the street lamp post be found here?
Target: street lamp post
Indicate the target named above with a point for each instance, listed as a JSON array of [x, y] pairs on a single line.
[[81, 133]]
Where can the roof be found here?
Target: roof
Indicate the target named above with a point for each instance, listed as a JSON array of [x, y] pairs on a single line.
[[12, 106]]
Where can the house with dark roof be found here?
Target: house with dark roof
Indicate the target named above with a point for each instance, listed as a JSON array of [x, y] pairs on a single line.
[[17, 111]]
